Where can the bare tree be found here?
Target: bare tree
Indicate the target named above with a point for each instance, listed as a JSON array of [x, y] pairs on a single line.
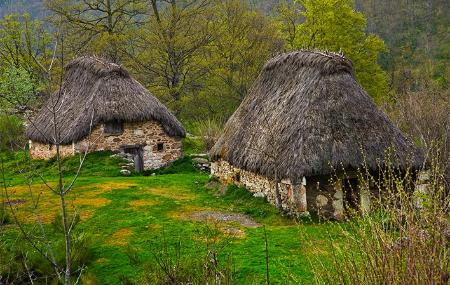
[[177, 32], [64, 272]]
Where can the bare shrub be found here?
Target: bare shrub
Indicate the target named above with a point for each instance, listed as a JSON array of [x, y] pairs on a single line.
[[404, 240], [173, 265], [424, 116]]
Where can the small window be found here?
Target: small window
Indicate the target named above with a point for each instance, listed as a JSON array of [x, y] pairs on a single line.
[[160, 147], [237, 177], [113, 128]]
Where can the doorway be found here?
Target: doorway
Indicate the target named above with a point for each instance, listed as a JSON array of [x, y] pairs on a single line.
[[138, 156]]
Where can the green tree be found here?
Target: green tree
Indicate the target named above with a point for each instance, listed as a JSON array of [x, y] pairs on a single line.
[[25, 45], [244, 39], [334, 25], [17, 90]]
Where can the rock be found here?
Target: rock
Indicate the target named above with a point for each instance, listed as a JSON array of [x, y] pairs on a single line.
[[153, 174], [200, 160], [321, 201], [259, 195], [303, 214], [202, 155], [125, 172], [424, 176]]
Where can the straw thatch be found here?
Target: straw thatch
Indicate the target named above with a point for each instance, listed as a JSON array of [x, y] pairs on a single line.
[[96, 91], [306, 115]]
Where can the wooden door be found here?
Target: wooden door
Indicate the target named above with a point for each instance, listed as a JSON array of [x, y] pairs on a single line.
[[138, 156]]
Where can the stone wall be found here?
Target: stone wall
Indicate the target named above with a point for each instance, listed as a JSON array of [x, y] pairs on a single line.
[[147, 134], [46, 151], [293, 197], [318, 194]]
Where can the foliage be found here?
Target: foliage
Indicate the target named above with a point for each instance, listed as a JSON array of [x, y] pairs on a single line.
[[209, 54], [101, 27], [404, 238], [244, 40], [25, 45], [209, 130], [17, 89], [416, 34], [174, 68], [334, 25], [11, 132]]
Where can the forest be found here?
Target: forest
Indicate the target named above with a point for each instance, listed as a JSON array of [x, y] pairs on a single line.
[[201, 59]]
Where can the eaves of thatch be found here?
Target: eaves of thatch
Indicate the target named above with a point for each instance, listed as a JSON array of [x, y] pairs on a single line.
[[96, 91], [307, 115]]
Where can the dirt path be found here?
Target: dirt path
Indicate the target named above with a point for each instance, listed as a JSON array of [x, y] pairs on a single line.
[[241, 219]]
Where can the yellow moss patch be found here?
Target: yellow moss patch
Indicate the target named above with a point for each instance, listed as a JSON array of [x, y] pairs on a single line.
[[86, 214], [171, 193], [49, 203], [95, 202], [105, 187], [30, 218], [120, 238], [102, 260], [24, 189], [154, 227], [141, 203]]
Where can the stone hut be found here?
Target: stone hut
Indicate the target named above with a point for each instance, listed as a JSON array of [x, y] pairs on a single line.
[[307, 126], [101, 107]]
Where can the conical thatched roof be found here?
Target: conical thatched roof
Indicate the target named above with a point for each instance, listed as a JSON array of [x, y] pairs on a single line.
[[98, 91], [306, 115]]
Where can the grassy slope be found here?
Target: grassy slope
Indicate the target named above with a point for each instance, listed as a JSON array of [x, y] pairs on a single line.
[[138, 211]]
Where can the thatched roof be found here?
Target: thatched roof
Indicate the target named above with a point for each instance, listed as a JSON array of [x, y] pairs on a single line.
[[98, 91], [306, 115]]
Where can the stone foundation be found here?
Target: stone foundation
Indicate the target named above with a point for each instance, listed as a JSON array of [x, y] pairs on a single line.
[[159, 149], [317, 194]]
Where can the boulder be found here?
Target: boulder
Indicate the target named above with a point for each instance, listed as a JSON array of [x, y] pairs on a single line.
[[259, 195], [125, 172], [200, 160]]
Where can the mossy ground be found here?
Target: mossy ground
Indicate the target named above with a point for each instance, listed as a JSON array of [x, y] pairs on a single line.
[[137, 211]]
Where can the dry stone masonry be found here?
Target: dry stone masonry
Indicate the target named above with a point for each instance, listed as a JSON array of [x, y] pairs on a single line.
[[159, 149], [318, 194]]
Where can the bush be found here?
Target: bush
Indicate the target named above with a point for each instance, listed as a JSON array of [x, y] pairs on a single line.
[[11, 132], [404, 240]]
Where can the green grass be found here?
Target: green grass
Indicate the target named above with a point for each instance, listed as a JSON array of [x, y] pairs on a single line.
[[136, 212]]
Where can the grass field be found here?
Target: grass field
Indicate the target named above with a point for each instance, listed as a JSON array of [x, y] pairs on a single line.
[[137, 216]]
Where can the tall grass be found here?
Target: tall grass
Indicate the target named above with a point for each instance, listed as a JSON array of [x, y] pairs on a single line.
[[209, 130], [404, 240]]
